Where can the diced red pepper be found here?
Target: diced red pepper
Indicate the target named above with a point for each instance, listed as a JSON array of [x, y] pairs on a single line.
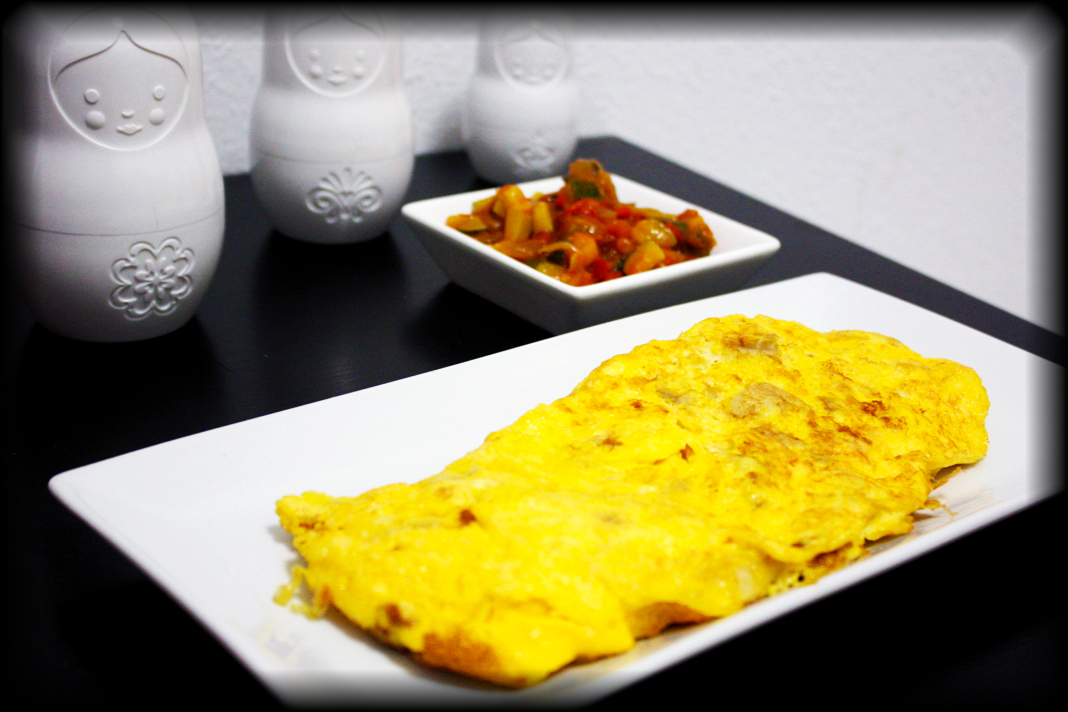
[[619, 228], [599, 268], [586, 206]]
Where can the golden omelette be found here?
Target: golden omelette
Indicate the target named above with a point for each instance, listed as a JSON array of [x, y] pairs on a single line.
[[675, 484]]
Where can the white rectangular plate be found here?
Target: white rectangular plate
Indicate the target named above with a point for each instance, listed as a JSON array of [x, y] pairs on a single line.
[[197, 514]]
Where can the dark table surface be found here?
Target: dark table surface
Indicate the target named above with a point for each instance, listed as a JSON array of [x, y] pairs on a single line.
[[978, 622]]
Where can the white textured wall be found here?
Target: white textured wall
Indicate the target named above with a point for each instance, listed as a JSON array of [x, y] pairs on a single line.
[[920, 137]]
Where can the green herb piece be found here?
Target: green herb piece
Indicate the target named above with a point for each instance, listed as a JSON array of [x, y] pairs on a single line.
[[584, 189]]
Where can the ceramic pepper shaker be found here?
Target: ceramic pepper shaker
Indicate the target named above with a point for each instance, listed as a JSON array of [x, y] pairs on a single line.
[[331, 135], [522, 111], [116, 191]]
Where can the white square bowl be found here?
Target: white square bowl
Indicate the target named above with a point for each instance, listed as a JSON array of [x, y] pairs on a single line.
[[560, 307]]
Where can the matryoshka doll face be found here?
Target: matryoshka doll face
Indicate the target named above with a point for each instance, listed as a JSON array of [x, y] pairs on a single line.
[[336, 55], [123, 97], [532, 53]]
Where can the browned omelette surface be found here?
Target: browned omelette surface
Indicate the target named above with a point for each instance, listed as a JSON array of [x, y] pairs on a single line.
[[675, 484]]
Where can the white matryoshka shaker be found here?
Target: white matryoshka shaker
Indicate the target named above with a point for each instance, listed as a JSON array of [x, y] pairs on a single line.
[[116, 191], [522, 111], [331, 136]]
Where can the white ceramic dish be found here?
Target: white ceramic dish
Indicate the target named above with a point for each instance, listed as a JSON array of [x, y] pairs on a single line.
[[559, 307], [197, 514]]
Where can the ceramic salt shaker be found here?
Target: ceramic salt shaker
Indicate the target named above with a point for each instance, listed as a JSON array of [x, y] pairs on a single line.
[[331, 136], [116, 205], [522, 111]]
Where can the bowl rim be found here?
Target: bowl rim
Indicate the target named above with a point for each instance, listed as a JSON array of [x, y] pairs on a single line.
[[415, 211]]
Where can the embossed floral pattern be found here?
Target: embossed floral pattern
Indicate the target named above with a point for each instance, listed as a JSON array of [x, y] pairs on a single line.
[[152, 279], [535, 157], [345, 196]]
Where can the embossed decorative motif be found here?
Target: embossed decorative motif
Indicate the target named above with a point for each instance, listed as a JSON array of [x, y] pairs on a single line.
[[345, 196], [535, 157], [152, 280], [118, 76], [532, 53], [335, 52]]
